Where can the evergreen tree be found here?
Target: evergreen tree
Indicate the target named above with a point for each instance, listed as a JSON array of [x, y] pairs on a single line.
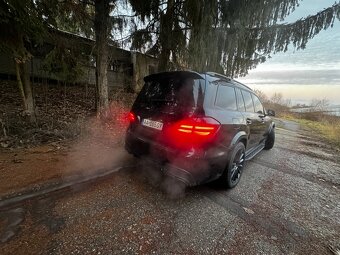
[[225, 36], [92, 19]]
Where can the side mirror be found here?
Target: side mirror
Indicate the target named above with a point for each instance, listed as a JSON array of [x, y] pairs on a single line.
[[271, 113]]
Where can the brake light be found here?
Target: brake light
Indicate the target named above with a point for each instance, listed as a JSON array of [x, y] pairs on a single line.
[[198, 130], [131, 117], [193, 131]]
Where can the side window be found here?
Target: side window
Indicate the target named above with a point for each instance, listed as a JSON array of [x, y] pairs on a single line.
[[257, 104], [248, 101], [226, 98], [240, 101]]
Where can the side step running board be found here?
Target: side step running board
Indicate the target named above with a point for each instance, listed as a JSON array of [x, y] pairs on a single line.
[[254, 152]]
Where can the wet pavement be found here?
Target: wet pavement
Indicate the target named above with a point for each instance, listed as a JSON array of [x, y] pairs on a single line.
[[287, 202]]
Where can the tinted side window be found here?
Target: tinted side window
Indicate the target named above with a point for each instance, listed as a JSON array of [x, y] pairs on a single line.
[[257, 104], [248, 101], [240, 101], [226, 98]]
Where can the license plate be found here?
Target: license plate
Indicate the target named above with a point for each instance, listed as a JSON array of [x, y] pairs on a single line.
[[152, 124]]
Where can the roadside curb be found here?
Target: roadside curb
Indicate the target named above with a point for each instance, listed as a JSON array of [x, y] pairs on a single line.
[[6, 202]]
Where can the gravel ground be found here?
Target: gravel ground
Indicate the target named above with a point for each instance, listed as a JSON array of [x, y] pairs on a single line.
[[286, 203]]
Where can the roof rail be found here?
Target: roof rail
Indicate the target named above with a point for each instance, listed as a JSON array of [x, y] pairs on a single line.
[[227, 78], [239, 83], [218, 75]]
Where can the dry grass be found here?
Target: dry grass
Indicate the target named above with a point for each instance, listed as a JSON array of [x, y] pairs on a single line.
[[320, 124]]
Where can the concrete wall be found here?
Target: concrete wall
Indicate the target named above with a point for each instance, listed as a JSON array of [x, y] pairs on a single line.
[[7, 66], [126, 70], [143, 65]]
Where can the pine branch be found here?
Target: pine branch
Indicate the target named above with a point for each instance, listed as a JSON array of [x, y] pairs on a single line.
[[87, 2]]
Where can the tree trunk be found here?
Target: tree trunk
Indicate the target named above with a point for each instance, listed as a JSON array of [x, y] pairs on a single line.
[[25, 87], [20, 85], [102, 30], [165, 37]]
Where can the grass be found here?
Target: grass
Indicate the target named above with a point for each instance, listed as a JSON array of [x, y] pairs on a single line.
[[320, 124]]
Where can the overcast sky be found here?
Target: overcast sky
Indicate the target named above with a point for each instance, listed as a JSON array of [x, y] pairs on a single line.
[[317, 65]]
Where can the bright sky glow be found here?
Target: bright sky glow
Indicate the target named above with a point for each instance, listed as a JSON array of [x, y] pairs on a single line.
[[295, 72]]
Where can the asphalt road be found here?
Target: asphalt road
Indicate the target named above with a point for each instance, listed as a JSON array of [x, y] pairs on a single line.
[[288, 202]]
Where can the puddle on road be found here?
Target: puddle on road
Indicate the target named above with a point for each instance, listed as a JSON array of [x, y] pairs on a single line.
[[40, 204], [11, 223]]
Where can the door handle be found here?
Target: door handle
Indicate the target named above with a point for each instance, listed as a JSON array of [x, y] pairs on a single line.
[[262, 116], [248, 121]]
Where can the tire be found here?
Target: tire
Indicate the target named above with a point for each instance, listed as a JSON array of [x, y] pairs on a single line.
[[270, 140], [232, 173]]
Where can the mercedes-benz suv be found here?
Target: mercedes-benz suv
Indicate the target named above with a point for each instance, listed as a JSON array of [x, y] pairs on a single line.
[[198, 127]]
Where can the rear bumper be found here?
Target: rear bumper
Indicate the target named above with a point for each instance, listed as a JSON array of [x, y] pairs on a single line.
[[193, 167]]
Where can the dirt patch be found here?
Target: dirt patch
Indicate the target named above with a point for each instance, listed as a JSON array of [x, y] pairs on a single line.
[[24, 168], [33, 169]]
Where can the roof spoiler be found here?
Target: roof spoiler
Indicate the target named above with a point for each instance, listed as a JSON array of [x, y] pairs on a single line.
[[181, 74]]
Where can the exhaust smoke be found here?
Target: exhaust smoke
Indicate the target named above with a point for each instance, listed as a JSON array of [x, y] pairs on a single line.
[[99, 147]]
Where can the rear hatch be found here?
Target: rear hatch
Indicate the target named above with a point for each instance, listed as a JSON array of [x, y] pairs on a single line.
[[165, 99]]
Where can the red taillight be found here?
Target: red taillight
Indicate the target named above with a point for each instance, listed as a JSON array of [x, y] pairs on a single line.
[[131, 117], [193, 131], [201, 130]]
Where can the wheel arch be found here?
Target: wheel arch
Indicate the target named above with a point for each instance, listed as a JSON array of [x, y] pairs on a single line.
[[239, 137], [271, 127]]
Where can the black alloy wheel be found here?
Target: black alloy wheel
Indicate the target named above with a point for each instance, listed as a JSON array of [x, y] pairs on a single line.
[[233, 172], [270, 140]]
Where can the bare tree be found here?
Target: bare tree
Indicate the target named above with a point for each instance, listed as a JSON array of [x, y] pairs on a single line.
[[20, 25], [277, 98], [319, 105], [263, 97]]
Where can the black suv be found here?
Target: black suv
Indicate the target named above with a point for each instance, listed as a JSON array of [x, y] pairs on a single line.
[[198, 127]]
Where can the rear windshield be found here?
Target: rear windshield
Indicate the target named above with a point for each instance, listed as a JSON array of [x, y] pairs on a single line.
[[170, 94]]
